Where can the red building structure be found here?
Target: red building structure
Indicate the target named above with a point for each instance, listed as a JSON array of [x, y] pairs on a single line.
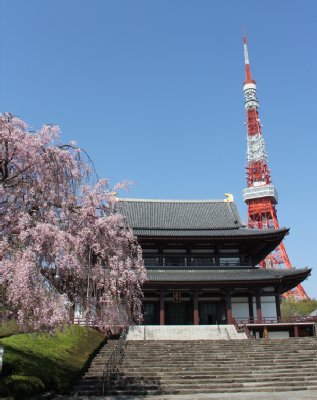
[[260, 195]]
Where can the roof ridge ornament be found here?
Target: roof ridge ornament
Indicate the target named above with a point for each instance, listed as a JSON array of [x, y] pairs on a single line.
[[229, 198]]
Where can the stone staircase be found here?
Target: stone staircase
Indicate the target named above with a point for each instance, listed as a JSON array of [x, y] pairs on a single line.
[[91, 382], [223, 366]]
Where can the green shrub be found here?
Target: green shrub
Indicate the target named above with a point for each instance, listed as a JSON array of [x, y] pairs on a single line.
[[21, 386], [297, 308], [8, 328], [54, 361]]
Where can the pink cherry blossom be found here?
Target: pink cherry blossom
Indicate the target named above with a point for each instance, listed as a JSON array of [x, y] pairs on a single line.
[[62, 240]]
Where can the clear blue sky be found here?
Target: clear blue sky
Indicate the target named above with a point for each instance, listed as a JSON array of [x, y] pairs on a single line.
[[152, 89]]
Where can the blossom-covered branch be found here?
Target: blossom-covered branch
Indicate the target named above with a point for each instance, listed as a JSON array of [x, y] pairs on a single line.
[[62, 241]]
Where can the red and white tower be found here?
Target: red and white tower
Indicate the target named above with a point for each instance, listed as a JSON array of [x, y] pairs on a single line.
[[260, 194]]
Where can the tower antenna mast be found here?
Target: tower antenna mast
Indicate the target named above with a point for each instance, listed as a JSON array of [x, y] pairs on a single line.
[[260, 195]]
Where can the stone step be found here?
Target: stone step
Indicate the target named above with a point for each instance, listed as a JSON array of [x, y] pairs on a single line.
[[190, 367], [213, 381], [198, 381], [207, 346], [210, 385], [182, 372], [203, 382], [215, 351], [222, 357], [212, 352], [224, 343], [136, 393], [215, 366], [206, 357], [215, 345], [181, 375], [239, 342], [252, 344], [217, 361], [202, 390], [224, 363], [201, 370], [212, 346], [269, 386]]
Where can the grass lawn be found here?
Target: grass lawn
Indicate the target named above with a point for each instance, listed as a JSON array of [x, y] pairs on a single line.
[[36, 362]]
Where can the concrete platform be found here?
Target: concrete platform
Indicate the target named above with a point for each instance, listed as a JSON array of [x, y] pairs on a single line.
[[184, 332]]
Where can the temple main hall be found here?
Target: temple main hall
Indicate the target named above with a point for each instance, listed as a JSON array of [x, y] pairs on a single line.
[[202, 266]]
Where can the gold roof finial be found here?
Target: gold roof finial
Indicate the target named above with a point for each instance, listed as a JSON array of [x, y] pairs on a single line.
[[229, 198]]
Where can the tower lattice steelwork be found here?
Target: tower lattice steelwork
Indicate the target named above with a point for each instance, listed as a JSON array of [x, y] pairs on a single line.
[[260, 194]]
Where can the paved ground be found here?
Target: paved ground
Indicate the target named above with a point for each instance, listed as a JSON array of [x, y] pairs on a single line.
[[294, 395]]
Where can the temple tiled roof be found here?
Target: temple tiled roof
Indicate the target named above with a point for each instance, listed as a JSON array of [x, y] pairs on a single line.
[[180, 214], [224, 274], [215, 233], [187, 218]]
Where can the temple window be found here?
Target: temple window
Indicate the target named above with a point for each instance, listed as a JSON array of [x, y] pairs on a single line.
[[151, 261], [228, 251], [202, 261], [229, 261], [175, 261]]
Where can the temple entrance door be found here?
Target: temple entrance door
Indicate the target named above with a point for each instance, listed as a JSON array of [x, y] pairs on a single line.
[[178, 313], [150, 314], [212, 313], [208, 313]]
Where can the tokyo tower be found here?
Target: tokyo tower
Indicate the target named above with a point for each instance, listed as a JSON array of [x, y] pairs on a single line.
[[260, 195]]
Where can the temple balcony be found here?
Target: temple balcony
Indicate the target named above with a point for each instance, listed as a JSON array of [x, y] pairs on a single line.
[[194, 262]]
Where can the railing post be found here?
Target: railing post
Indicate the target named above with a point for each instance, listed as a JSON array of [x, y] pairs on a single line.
[[251, 313], [229, 309], [162, 308], [1, 357], [114, 359], [196, 310], [278, 306], [296, 331], [258, 308]]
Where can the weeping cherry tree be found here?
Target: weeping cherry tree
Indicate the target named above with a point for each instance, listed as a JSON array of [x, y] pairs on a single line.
[[62, 240]]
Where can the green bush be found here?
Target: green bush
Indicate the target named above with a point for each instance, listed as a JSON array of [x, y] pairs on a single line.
[[8, 328], [54, 361], [297, 308], [21, 386]]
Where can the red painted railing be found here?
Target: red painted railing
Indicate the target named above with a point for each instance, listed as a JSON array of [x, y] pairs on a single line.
[[276, 320], [242, 328]]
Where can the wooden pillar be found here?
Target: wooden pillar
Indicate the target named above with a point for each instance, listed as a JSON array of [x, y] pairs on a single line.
[[251, 313], [296, 331], [229, 309], [278, 306], [196, 309], [162, 308], [258, 308]]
